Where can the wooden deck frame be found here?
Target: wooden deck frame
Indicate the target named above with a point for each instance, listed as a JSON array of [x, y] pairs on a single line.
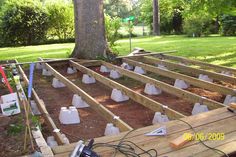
[[143, 100], [43, 110], [208, 122], [148, 54], [191, 97], [187, 69], [94, 104], [201, 64], [191, 80]]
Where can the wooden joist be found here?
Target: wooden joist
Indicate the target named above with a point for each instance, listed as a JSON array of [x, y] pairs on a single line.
[[201, 64], [147, 54], [145, 101], [41, 106], [186, 69], [191, 80], [191, 97], [94, 104]]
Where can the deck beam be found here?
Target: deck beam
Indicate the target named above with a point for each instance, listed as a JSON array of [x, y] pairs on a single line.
[[191, 80], [201, 64], [186, 69], [191, 97]]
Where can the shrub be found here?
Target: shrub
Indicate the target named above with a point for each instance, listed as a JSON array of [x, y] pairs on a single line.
[[112, 25], [23, 22], [197, 25], [228, 25], [61, 20]]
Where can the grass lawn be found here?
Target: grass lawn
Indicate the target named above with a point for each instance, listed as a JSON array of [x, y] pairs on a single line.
[[214, 49]]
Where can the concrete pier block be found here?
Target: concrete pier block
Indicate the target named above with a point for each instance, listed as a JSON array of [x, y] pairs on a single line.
[[114, 74], [205, 78], [57, 84], [163, 67], [69, 116], [118, 96], [39, 66], [104, 69], [139, 70], [227, 73], [150, 89], [127, 66], [181, 84], [159, 118], [111, 130], [229, 99], [34, 108], [71, 70], [88, 79], [51, 141], [46, 72], [78, 102], [198, 108]]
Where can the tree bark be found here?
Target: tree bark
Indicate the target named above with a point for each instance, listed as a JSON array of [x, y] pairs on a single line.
[[90, 40], [156, 18]]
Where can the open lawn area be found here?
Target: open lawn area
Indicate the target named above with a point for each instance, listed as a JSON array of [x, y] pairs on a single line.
[[213, 49]]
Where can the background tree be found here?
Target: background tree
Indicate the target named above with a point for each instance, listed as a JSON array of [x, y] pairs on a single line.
[[89, 29], [156, 18]]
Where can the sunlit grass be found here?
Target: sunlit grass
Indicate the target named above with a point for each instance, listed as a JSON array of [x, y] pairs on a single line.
[[214, 49]]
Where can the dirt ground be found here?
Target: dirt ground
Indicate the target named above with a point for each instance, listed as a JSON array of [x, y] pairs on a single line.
[[12, 142]]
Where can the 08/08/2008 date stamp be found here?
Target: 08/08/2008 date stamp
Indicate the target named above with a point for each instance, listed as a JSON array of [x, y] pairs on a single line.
[[213, 136]]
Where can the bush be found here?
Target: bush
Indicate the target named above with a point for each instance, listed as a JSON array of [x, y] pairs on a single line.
[[197, 25], [228, 25], [23, 22], [61, 20], [112, 26]]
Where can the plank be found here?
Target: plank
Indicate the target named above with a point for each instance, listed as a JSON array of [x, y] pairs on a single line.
[[99, 108], [208, 122], [191, 80], [172, 126], [191, 97], [41, 106], [228, 148], [148, 54], [145, 101], [188, 70], [204, 65], [161, 144]]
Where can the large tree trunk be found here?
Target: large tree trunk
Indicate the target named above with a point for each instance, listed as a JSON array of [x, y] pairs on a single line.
[[156, 18], [90, 40]]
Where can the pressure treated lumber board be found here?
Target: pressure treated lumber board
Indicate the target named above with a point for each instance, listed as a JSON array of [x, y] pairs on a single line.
[[145, 101], [219, 120], [41, 106], [184, 60], [94, 104], [173, 127], [191, 80], [191, 97], [148, 54], [187, 69]]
